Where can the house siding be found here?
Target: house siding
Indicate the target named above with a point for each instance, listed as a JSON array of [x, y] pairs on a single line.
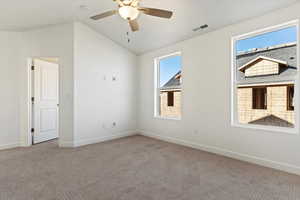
[[263, 67], [276, 105]]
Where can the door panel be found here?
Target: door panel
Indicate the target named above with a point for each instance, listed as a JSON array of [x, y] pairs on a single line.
[[49, 81], [46, 101], [48, 119]]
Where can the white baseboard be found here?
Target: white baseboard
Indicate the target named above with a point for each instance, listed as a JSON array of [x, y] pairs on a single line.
[[103, 139], [9, 146], [244, 157]]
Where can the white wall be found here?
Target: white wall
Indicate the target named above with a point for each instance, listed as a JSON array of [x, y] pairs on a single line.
[[51, 41], [9, 89], [99, 101], [206, 99]]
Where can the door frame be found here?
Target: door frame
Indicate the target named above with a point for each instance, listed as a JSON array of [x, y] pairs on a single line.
[[30, 94]]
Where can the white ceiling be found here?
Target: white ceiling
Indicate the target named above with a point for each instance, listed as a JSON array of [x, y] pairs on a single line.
[[19, 15]]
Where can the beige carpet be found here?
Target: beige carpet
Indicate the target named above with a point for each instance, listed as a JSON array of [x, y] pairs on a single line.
[[136, 168]]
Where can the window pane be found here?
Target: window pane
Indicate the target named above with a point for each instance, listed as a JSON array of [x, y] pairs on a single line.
[[259, 98], [170, 87], [266, 66]]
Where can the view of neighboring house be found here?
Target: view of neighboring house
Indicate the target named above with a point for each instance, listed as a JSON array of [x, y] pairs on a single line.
[[170, 97], [266, 87]]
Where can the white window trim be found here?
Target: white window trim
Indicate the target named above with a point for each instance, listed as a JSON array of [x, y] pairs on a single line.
[[156, 87], [234, 110]]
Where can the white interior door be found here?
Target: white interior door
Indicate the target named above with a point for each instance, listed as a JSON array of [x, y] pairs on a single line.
[[46, 102]]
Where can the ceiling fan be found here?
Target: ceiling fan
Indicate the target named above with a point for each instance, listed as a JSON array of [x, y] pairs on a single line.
[[130, 10]]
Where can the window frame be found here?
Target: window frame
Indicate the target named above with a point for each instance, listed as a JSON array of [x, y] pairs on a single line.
[[234, 109], [157, 87]]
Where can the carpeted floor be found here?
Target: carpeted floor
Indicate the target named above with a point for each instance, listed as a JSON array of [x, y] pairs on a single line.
[[136, 168]]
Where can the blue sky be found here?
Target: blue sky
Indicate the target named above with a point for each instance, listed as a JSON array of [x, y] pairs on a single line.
[[168, 68], [268, 39]]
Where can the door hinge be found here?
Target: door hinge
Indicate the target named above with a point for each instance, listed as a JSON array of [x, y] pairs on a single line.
[[32, 67], [32, 130], [32, 99]]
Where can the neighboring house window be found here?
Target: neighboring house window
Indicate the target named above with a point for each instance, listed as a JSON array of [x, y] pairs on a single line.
[[171, 99], [290, 98], [168, 86], [265, 69], [259, 98]]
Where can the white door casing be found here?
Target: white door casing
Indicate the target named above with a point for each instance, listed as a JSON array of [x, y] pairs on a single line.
[[46, 101]]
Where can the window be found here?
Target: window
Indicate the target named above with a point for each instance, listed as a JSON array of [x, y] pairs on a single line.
[[168, 86], [290, 98], [170, 98], [265, 72], [259, 98]]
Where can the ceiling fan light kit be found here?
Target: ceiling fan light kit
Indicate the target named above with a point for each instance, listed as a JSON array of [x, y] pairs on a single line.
[[130, 11]]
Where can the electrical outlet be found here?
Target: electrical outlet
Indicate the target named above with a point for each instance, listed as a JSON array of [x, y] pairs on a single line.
[[115, 76]]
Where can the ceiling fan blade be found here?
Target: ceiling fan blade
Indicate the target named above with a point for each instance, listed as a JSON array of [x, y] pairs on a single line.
[[103, 15], [134, 25], [157, 12]]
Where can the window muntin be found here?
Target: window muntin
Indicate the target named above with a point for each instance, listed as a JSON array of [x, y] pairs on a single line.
[[168, 92], [273, 105]]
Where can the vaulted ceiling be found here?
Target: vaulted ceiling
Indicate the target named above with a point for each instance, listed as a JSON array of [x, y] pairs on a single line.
[[154, 32]]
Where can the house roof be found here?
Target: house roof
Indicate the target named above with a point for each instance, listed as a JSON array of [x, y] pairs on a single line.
[[285, 54], [173, 83], [272, 120]]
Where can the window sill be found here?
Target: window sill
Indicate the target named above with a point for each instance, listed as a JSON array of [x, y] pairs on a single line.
[[291, 131], [168, 118]]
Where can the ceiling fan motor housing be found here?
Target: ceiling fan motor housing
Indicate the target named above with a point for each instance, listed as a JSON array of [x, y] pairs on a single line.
[[127, 2]]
